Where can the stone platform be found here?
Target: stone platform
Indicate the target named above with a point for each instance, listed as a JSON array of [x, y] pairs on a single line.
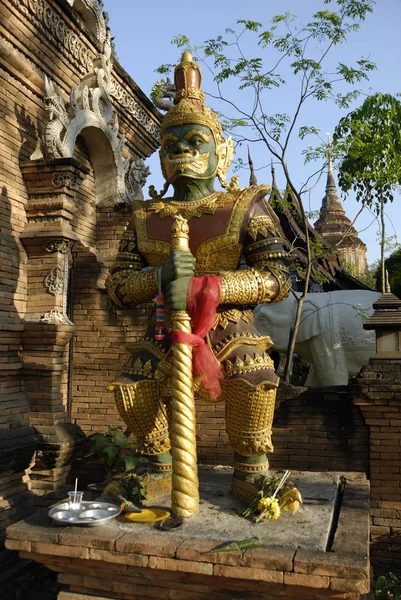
[[319, 553]]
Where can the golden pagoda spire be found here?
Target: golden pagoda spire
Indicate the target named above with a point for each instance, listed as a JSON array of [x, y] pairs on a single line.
[[332, 199], [335, 227]]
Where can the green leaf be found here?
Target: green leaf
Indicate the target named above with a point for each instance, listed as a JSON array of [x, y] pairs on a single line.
[[327, 15], [279, 18], [250, 25], [111, 452], [100, 442], [388, 586], [305, 65], [130, 462], [245, 544], [265, 38], [120, 440], [304, 131], [371, 138], [181, 41], [165, 69]]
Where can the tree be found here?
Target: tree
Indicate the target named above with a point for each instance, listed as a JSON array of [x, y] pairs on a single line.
[[369, 276], [299, 51], [370, 139]]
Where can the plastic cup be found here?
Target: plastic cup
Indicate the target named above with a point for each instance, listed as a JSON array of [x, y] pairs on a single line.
[[75, 500]]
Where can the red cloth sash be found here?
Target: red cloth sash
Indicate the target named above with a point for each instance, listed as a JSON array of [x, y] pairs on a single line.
[[203, 299]]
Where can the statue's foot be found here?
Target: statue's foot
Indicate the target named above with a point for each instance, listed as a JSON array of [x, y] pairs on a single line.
[[150, 479], [247, 487], [157, 484], [150, 485], [249, 474], [156, 475]]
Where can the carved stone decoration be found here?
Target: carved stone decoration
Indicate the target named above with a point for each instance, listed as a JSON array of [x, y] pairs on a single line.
[[55, 316], [163, 93], [59, 245], [90, 106], [95, 7], [59, 280], [315, 288], [54, 25], [49, 21], [64, 180], [55, 281], [135, 179], [347, 339], [152, 127]]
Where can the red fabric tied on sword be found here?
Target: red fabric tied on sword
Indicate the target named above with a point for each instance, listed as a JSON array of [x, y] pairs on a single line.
[[203, 299]]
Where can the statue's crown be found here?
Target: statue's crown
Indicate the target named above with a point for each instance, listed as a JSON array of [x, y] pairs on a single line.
[[189, 99]]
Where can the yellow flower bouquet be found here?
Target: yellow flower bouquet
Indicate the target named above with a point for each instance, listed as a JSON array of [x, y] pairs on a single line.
[[274, 496]]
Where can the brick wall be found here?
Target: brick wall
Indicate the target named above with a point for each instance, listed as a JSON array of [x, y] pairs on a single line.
[[378, 395], [102, 332], [213, 446], [318, 429], [17, 441], [36, 378]]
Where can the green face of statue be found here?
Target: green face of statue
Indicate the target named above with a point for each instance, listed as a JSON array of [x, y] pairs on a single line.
[[188, 151]]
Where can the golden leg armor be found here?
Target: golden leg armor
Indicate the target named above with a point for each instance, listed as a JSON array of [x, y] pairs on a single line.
[[143, 411], [249, 418], [249, 415]]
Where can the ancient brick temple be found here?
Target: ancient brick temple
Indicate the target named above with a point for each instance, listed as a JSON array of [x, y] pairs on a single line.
[[74, 129], [336, 228]]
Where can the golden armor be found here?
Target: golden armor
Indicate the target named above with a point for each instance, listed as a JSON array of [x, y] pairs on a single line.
[[234, 235]]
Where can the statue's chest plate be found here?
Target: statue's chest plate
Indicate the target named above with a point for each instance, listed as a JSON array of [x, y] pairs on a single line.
[[215, 237]]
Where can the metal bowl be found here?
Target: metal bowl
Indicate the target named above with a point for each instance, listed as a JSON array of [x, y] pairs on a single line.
[[91, 514], [63, 515], [94, 513]]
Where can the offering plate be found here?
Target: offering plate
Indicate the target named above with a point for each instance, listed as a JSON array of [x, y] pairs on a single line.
[[90, 514]]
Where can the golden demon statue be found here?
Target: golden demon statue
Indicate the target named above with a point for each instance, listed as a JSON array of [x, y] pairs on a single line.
[[235, 261]]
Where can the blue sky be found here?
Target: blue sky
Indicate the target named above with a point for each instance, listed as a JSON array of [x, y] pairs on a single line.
[[142, 35]]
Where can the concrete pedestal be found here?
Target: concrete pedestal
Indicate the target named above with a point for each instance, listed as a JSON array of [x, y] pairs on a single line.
[[319, 553]]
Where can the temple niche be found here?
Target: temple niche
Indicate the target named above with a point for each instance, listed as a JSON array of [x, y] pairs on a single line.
[[337, 231]]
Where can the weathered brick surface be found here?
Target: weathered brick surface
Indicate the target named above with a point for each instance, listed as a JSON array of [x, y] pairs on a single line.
[[378, 395], [163, 547], [145, 563], [102, 332], [301, 579], [319, 429], [40, 387], [315, 429]]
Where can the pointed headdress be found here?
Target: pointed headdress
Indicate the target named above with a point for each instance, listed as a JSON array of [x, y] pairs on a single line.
[[189, 107]]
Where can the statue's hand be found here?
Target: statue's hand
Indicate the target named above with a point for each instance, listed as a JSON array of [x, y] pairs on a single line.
[[176, 294], [178, 264]]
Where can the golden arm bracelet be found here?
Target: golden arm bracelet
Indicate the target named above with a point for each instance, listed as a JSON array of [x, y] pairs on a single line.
[[133, 287], [281, 273], [248, 286]]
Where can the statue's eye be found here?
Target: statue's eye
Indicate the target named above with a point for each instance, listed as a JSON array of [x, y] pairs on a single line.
[[169, 146], [196, 141]]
